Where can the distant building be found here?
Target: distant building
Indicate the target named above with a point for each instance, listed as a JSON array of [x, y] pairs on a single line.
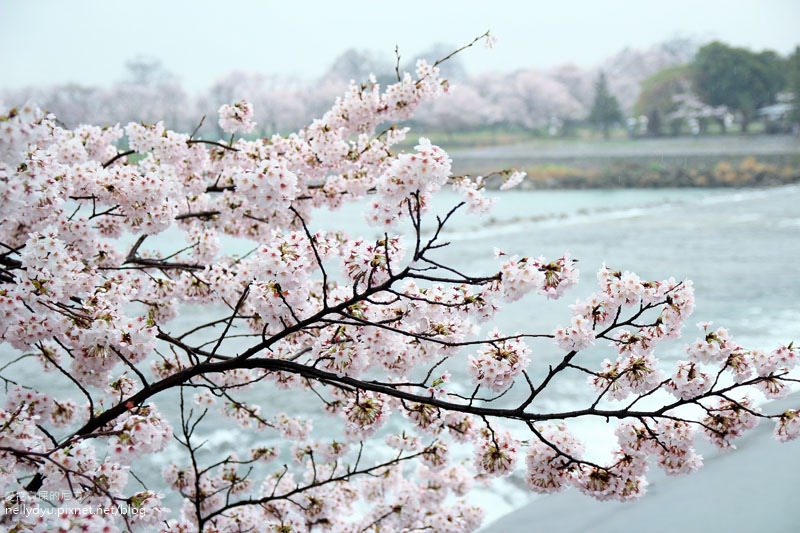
[[777, 117]]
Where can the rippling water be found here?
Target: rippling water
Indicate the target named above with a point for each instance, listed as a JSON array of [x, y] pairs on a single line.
[[740, 248]]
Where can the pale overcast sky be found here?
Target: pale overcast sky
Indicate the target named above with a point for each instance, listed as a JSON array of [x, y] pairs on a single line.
[[55, 41]]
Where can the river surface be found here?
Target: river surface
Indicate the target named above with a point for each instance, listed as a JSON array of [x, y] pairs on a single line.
[[740, 248]]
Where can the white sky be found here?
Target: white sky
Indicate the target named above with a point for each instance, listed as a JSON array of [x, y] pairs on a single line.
[[88, 41]]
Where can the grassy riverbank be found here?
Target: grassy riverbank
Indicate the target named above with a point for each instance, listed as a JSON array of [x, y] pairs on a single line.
[[719, 161]]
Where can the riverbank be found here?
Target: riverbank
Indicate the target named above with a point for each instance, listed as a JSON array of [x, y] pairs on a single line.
[[720, 161]]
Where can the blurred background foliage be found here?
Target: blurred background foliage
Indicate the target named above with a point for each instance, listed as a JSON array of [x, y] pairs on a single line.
[[672, 88]]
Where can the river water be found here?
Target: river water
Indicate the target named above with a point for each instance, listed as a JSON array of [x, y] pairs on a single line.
[[740, 247]]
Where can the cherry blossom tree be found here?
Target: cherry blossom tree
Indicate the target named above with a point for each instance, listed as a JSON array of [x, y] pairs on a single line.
[[149, 93], [628, 68], [465, 109], [75, 104], [578, 81], [530, 99], [280, 104], [118, 282]]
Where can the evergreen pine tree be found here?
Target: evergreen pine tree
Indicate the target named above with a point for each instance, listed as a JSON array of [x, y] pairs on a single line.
[[605, 109]]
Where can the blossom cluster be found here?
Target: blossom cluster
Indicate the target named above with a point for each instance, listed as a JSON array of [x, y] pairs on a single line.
[[502, 360], [237, 117], [522, 275]]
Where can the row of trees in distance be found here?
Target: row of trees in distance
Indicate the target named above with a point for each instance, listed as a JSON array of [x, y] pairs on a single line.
[[672, 87], [722, 83]]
